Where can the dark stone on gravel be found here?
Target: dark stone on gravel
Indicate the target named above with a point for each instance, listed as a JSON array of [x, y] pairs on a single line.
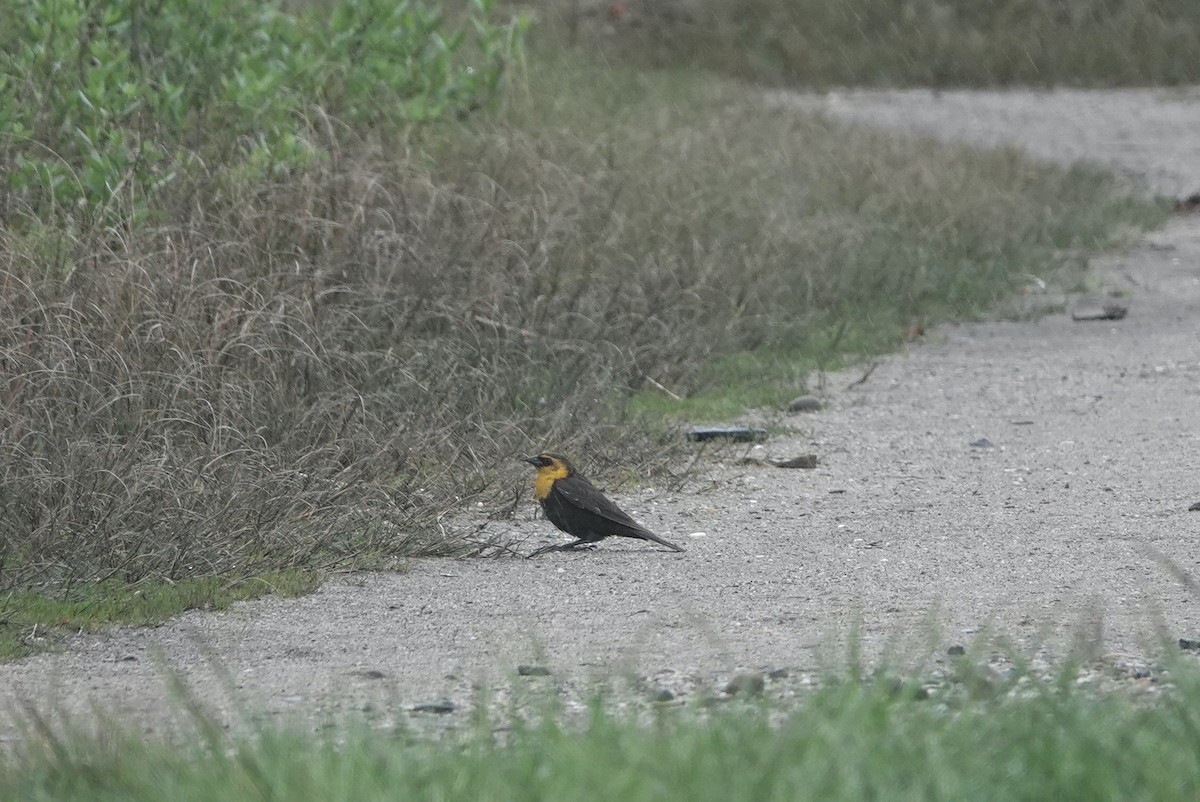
[[662, 695], [807, 461], [749, 684], [1099, 310], [533, 671], [369, 674], [738, 434], [1195, 507], [982, 442], [439, 706], [779, 673], [1189, 204], [907, 690], [956, 651], [1189, 645], [805, 403]]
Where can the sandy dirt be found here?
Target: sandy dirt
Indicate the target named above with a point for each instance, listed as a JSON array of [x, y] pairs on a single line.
[[1052, 536]]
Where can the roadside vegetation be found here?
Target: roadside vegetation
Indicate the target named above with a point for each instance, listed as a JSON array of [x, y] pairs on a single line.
[[890, 43], [977, 737], [285, 289]]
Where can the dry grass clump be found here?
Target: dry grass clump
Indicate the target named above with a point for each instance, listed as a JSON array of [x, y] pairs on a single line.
[[316, 371], [895, 42], [304, 373]]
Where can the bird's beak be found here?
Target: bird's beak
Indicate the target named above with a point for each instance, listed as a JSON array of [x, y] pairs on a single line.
[[534, 461]]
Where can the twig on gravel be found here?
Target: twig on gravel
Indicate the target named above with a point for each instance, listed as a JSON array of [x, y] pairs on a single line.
[[662, 389], [682, 478], [863, 378]]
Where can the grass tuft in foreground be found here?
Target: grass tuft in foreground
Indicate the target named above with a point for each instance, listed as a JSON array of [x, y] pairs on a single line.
[[1032, 739]]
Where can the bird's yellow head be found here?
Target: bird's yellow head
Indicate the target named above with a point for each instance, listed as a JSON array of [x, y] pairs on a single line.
[[550, 468]]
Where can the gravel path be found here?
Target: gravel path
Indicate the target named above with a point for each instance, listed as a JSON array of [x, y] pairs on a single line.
[[1150, 135], [1049, 537]]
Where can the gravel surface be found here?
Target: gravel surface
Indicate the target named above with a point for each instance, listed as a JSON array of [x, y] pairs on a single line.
[[1053, 536], [1148, 135]]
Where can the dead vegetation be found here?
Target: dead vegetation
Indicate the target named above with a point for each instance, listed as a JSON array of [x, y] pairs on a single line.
[[314, 371]]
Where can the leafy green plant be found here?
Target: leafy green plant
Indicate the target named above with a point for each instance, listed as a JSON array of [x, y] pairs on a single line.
[[101, 104]]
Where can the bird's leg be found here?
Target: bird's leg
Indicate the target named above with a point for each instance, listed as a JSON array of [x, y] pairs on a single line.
[[574, 545]]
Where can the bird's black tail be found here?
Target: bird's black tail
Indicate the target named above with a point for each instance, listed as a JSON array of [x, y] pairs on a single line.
[[646, 534]]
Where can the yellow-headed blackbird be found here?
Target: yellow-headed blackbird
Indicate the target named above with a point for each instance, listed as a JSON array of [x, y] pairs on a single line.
[[574, 505]]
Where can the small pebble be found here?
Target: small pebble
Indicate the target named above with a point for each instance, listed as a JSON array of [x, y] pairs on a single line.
[[737, 434], [662, 695], [803, 461], [805, 403], [441, 706], [369, 674], [1189, 645], [749, 684], [778, 673], [1189, 204], [1108, 309], [982, 442], [533, 671], [956, 651]]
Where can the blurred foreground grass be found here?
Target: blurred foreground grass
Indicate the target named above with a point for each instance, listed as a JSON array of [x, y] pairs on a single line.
[[978, 737]]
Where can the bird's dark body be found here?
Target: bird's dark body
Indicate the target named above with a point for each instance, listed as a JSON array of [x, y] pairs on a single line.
[[577, 507]]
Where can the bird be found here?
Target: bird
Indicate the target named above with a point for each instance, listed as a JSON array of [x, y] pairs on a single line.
[[577, 507]]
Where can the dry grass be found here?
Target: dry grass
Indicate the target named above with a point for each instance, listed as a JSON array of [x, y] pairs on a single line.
[[316, 372], [894, 42]]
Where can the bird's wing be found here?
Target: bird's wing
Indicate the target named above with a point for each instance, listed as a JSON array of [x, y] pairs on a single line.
[[583, 494]]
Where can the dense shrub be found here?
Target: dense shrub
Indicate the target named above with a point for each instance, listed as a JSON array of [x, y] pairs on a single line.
[[278, 330], [192, 379], [103, 104]]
